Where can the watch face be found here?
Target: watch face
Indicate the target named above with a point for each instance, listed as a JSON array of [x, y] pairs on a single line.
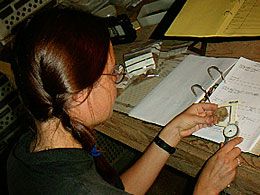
[[230, 131]]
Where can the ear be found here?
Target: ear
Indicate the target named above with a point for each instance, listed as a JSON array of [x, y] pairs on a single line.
[[81, 96], [111, 55]]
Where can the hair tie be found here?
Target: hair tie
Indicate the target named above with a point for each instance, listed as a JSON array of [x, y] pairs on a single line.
[[56, 112], [94, 152], [57, 109]]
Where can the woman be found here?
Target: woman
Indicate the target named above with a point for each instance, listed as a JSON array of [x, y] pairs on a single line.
[[65, 73]]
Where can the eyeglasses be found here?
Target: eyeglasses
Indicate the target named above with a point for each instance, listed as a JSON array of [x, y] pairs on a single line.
[[119, 73]]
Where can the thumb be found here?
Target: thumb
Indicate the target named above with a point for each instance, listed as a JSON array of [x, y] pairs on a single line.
[[193, 121], [202, 119]]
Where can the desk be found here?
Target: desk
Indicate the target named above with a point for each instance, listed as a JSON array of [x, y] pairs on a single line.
[[192, 152]]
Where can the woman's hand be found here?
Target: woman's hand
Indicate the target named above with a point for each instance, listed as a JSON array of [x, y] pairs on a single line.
[[192, 119], [220, 169]]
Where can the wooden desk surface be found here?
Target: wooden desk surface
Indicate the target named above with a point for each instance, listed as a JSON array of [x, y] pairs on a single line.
[[193, 151]]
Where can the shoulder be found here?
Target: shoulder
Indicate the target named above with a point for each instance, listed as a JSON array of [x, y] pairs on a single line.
[[85, 186]]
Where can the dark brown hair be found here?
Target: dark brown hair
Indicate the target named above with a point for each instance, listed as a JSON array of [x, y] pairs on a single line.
[[61, 52]]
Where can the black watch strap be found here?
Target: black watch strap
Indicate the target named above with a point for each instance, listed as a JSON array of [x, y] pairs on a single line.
[[162, 144]]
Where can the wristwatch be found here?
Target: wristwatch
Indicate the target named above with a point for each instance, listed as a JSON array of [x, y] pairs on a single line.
[[230, 131], [163, 145]]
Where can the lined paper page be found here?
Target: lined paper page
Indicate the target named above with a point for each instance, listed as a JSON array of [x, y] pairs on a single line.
[[245, 20], [217, 18], [200, 18], [242, 84]]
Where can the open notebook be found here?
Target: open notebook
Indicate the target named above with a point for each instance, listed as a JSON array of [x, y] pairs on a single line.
[[173, 95], [211, 19]]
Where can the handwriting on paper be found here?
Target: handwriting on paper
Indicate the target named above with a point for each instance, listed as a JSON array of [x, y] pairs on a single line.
[[243, 84]]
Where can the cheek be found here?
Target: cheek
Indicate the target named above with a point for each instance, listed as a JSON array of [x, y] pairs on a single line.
[[114, 93], [109, 91], [105, 100], [109, 99]]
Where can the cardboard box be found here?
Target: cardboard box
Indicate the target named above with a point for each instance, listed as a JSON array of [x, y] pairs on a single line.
[[152, 13]]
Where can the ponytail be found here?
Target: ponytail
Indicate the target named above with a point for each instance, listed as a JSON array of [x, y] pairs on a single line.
[[60, 52], [86, 137]]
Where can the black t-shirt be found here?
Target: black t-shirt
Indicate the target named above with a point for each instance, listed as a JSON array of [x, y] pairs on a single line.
[[55, 171]]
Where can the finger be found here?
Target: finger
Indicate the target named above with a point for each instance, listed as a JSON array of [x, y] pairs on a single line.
[[191, 130], [235, 163], [209, 113], [206, 121], [206, 113], [239, 163], [242, 160], [208, 106], [201, 108], [187, 132], [196, 128], [211, 120], [234, 153], [231, 144], [202, 120], [221, 144]]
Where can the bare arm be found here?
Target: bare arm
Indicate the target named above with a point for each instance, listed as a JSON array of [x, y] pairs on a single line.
[[139, 178]]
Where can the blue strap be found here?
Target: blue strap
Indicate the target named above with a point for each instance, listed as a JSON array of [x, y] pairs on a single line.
[[94, 152]]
